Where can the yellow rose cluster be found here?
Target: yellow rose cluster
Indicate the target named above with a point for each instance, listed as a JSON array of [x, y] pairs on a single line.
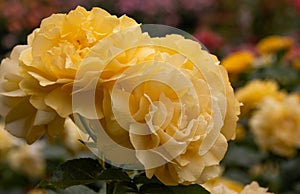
[[274, 116], [276, 125], [163, 102]]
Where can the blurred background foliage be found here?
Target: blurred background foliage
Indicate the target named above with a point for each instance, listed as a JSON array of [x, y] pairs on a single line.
[[221, 25], [256, 40]]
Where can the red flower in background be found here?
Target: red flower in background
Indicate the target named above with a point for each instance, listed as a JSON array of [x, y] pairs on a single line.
[[296, 4], [211, 40], [20, 14]]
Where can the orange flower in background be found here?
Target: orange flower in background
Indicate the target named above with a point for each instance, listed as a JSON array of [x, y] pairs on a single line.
[[273, 44], [237, 62]]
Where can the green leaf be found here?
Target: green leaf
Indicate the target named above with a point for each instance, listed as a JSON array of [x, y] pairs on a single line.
[[290, 173], [190, 189], [142, 179], [74, 172], [125, 187], [153, 188], [77, 189], [113, 174]]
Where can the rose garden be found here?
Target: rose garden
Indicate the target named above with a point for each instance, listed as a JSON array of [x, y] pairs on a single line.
[[148, 96]]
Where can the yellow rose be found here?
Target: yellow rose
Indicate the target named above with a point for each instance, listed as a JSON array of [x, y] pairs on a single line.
[[37, 80], [21, 118], [37, 191], [276, 125], [223, 184], [56, 48], [161, 102], [273, 44], [254, 188], [255, 91], [237, 62], [226, 186]]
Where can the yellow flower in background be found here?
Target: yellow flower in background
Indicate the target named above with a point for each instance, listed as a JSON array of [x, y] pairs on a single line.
[[6, 142], [227, 186], [273, 44], [237, 62], [276, 125], [37, 191], [163, 101], [221, 183], [296, 63], [255, 91], [254, 188], [37, 80], [240, 132], [28, 159]]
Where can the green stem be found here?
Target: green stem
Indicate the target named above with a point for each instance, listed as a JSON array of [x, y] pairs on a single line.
[[110, 186]]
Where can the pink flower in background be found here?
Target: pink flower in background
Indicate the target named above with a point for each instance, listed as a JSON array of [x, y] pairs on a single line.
[[163, 12], [196, 5], [19, 14], [128, 6], [13, 11], [296, 4], [211, 40], [147, 7]]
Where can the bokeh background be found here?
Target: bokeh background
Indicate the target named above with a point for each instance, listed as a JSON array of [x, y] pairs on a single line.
[[221, 25], [256, 40]]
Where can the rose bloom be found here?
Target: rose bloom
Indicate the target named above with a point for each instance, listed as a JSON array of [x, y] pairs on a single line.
[[36, 81], [165, 100], [273, 44], [276, 125], [255, 91], [252, 188], [226, 186], [238, 61]]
